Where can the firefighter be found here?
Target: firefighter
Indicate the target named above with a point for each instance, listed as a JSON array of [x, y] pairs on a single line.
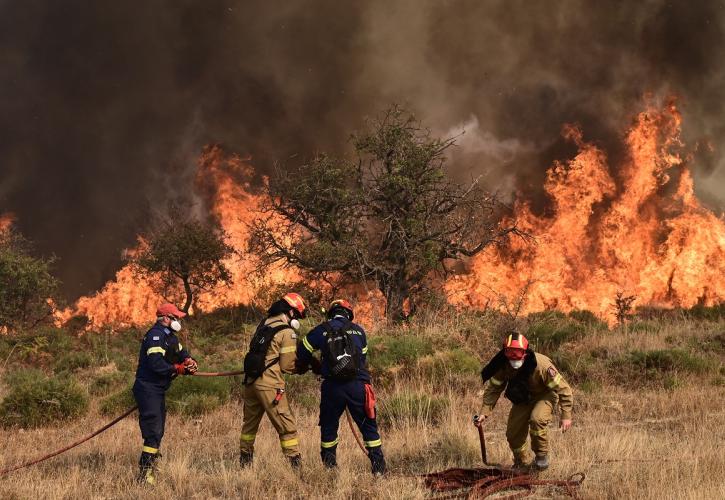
[[161, 359], [533, 384], [265, 392], [353, 391]]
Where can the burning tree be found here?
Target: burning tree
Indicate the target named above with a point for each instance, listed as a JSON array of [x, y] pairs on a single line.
[[26, 284], [391, 216], [189, 253]]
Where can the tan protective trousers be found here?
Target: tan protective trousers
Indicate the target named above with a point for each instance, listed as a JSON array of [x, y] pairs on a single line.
[[532, 419], [257, 402]]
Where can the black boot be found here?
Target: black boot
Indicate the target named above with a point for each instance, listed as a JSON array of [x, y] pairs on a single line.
[[246, 458], [329, 457], [377, 461], [295, 461], [146, 466]]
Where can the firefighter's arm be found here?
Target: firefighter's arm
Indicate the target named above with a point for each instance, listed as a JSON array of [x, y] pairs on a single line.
[[556, 383], [491, 393], [287, 348], [155, 354]]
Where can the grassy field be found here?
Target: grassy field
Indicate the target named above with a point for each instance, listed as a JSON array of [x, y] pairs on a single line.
[[648, 419]]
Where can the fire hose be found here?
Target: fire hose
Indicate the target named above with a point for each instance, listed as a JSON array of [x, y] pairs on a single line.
[[126, 414], [482, 482]]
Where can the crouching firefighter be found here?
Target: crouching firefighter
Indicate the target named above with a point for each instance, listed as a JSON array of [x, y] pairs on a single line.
[[161, 359], [346, 383], [532, 384], [271, 354]]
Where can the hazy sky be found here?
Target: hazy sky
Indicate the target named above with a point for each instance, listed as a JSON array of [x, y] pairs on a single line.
[[105, 105]]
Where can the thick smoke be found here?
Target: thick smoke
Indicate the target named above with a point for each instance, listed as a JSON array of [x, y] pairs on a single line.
[[104, 106]]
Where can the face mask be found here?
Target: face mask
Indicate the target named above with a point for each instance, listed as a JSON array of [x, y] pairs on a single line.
[[294, 324], [175, 325], [516, 363]]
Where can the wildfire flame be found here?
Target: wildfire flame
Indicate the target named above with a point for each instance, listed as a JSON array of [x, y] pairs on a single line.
[[6, 222], [642, 233]]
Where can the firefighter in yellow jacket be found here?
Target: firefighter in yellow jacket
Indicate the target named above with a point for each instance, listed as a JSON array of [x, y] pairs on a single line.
[[271, 354], [533, 385]]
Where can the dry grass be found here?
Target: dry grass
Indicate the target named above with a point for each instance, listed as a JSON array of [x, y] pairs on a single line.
[[631, 441]]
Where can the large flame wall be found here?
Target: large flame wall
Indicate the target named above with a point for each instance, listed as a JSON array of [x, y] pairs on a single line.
[[642, 233]]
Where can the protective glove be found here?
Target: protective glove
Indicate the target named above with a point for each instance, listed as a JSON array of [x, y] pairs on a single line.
[[180, 369], [191, 365]]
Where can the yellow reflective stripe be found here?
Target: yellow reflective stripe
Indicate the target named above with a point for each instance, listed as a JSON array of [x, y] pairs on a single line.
[[180, 346], [148, 449], [307, 344], [495, 381], [365, 350], [154, 350], [508, 341], [520, 448], [538, 433], [289, 443], [329, 444], [554, 382], [373, 444], [285, 350], [247, 437]]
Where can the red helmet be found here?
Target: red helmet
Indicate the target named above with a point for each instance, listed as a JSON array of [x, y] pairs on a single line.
[[168, 309], [515, 345], [340, 304], [296, 302]]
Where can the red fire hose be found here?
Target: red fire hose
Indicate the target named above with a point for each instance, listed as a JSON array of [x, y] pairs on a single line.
[[126, 414]]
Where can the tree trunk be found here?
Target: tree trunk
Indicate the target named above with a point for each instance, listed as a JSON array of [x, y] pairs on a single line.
[[396, 290], [189, 295]]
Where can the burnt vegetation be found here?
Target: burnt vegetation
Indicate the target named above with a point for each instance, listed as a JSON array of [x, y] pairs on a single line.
[[390, 217]]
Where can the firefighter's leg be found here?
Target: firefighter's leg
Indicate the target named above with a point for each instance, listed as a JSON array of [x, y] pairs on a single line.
[[332, 404], [516, 430], [538, 426], [368, 426], [150, 418], [253, 412], [283, 421]]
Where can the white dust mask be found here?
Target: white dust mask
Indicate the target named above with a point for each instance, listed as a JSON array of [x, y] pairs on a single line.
[[516, 363], [175, 325], [294, 324]]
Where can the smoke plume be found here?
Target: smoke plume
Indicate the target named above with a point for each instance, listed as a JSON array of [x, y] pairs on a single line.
[[105, 106]]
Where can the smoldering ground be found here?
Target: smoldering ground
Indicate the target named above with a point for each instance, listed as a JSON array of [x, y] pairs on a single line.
[[104, 106]]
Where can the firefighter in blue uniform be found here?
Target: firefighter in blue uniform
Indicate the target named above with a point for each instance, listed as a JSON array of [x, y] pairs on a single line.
[[161, 359], [356, 395]]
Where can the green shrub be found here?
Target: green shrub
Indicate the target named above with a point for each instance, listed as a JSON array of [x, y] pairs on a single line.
[[666, 360], [442, 364], [72, 361], [197, 392], [42, 401], [117, 402], [588, 318], [103, 384], [421, 408], [707, 313], [195, 404], [391, 351], [550, 329]]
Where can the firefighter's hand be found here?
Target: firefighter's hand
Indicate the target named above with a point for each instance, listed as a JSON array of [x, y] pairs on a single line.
[[180, 369], [478, 420], [565, 425], [191, 365], [316, 366]]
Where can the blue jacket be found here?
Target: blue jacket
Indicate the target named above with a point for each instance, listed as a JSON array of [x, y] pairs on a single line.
[[316, 339], [160, 350]]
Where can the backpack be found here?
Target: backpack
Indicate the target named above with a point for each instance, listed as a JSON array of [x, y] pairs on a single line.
[[254, 365], [341, 352]]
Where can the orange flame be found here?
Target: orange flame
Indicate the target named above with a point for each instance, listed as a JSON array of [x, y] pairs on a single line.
[[6, 222], [643, 233]]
